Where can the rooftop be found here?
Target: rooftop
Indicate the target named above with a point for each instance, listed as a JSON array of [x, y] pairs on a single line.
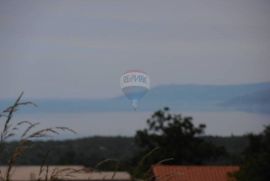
[[193, 173]]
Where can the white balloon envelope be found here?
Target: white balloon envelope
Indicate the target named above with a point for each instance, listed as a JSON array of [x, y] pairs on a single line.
[[135, 84]]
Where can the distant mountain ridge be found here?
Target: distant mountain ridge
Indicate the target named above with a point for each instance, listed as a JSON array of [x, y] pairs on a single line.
[[188, 97], [258, 101]]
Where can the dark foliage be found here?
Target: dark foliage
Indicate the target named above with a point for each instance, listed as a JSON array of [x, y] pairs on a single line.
[[90, 151], [86, 151], [177, 141], [256, 164]]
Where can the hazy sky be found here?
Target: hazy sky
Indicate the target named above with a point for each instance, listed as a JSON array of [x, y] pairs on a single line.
[[60, 49]]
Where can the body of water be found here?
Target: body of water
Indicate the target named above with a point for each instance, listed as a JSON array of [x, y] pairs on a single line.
[[126, 123]]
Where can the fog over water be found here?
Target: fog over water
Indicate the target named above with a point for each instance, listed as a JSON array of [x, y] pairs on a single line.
[[126, 123]]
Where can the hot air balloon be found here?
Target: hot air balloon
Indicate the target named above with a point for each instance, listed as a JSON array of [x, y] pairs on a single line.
[[135, 84]]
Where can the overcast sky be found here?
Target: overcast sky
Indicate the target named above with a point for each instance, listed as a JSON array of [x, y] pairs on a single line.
[[79, 49]]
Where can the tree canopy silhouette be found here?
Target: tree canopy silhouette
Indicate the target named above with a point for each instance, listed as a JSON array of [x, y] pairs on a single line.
[[256, 163], [176, 139]]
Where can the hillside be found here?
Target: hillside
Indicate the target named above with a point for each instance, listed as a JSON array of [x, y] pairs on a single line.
[[85, 151], [258, 101], [178, 97], [92, 150]]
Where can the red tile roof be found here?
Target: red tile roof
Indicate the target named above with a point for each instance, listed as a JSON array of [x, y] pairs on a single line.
[[193, 173]]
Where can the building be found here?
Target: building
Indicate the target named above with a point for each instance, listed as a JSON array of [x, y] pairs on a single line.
[[193, 173], [66, 173]]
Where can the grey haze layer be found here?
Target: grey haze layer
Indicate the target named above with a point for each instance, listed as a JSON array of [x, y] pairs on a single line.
[[79, 49]]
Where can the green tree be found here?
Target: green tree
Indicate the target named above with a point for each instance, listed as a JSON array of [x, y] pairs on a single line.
[[256, 164], [176, 139]]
